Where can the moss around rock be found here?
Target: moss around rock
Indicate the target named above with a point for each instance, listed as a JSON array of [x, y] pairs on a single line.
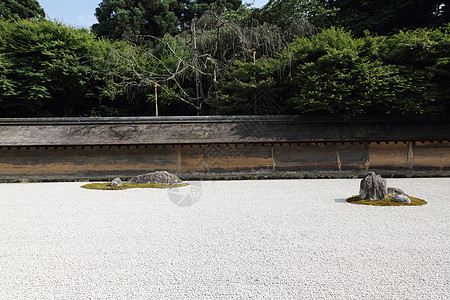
[[389, 201], [125, 186]]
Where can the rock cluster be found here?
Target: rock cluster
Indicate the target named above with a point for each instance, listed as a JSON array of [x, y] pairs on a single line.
[[159, 177], [374, 187]]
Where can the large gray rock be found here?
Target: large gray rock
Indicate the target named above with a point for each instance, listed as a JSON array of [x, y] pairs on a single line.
[[395, 191], [160, 177], [373, 187], [402, 198], [116, 182]]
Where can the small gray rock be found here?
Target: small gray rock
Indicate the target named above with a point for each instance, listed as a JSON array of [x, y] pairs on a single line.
[[373, 187], [402, 198], [116, 182], [395, 191]]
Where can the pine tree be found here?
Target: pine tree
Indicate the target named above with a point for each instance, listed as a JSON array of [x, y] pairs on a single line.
[[118, 19]]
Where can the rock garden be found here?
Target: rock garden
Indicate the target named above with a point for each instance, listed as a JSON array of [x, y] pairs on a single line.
[[158, 179], [373, 190]]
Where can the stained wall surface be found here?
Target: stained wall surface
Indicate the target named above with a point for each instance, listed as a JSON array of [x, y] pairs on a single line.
[[225, 161], [206, 148]]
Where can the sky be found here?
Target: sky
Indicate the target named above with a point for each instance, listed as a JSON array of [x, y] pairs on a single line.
[[80, 13]]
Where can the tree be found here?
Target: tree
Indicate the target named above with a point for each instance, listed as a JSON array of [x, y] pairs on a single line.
[[387, 16], [21, 9], [119, 19], [243, 83], [423, 56], [404, 74], [196, 8], [284, 13], [44, 68]]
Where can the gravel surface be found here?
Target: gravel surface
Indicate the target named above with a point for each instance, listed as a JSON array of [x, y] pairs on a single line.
[[274, 239]]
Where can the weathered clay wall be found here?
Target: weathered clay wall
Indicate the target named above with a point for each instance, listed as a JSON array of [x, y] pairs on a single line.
[[226, 161], [220, 147]]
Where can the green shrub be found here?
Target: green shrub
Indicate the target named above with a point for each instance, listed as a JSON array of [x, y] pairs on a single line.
[[405, 74]]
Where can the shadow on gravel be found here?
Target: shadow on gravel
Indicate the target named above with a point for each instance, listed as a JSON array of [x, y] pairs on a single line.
[[342, 200]]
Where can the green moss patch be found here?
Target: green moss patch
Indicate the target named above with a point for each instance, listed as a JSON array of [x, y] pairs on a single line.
[[125, 186], [386, 202]]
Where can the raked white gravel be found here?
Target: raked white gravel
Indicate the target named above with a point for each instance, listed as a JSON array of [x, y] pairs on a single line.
[[273, 239]]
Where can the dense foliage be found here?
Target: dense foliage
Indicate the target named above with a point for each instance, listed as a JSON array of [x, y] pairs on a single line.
[[230, 59], [284, 12], [387, 16], [46, 69], [124, 19], [118, 19], [21, 9], [403, 74]]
